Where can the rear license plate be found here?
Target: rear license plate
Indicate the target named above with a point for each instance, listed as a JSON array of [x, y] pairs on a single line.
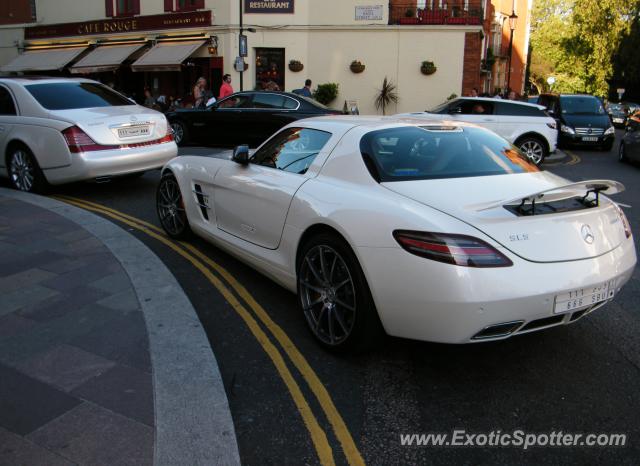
[[618, 120], [133, 131], [584, 297], [590, 139]]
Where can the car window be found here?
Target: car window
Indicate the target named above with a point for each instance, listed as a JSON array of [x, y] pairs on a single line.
[[74, 95], [290, 104], [269, 101], [236, 101], [432, 152], [511, 109], [7, 107], [581, 105], [292, 150], [472, 107]]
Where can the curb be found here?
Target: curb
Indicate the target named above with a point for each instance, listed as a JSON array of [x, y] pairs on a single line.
[[193, 423]]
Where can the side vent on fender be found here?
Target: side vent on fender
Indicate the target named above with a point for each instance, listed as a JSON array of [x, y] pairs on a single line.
[[203, 201]]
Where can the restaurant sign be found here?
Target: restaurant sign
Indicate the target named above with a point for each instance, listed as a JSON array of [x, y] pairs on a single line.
[[268, 6], [121, 25]]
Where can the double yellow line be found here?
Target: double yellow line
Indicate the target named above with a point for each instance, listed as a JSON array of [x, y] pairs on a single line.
[[205, 265]]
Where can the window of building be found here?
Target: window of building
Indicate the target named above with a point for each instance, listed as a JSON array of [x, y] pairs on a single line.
[[183, 5], [270, 69], [17, 11], [122, 8]]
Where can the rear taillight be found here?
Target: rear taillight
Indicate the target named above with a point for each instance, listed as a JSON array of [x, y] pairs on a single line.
[[623, 219], [451, 249], [79, 141]]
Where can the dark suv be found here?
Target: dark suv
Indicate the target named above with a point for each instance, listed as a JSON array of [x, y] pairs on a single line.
[[582, 120]]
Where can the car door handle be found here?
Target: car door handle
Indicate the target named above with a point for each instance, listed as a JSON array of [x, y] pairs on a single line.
[[488, 119]]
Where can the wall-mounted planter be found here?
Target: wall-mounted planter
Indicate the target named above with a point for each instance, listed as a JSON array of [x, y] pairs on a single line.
[[296, 66], [356, 67], [428, 68]]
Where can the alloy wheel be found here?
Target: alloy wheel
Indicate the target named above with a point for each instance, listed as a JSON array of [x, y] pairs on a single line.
[[533, 150], [22, 170], [171, 207], [178, 132], [328, 295]]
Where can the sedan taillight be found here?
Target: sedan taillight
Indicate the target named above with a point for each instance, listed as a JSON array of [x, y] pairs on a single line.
[[451, 248], [79, 141], [623, 219]]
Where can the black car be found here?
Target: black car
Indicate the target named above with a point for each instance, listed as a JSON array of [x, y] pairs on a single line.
[[582, 120], [630, 145], [619, 114], [243, 118]]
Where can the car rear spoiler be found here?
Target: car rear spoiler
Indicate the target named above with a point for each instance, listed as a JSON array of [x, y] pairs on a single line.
[[583, 188]]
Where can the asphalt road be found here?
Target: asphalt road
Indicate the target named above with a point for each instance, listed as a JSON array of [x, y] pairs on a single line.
[[581, 378]]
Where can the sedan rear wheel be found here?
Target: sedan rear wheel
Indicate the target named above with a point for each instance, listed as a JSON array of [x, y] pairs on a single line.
[[170, 207], [24, 172], [533, 148], [334, 296], [179, 132]]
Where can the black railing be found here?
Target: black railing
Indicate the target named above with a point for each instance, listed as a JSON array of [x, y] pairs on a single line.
[[436, 12]]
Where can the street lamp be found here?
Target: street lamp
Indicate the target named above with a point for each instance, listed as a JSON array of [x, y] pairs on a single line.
[[513, 20]]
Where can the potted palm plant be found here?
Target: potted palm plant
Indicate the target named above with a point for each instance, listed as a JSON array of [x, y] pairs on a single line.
[[386, 96]]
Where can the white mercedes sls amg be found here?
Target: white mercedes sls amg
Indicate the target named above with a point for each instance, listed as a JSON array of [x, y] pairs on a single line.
[[430, 230]]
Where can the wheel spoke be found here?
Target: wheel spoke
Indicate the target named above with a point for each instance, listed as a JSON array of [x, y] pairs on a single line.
[[332, 336], [311, 287], [323, 267], [313, 270], [345, 305], [323, 311], [340, 321], [341, 284], [333, 266]]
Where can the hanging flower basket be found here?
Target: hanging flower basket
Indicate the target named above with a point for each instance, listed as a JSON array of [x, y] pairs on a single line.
[[296, 66], [356, 66], [428, 68]]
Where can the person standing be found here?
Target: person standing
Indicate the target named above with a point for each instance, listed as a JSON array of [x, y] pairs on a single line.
[[225, 88], [306, 90], [474, 92], [198, 93]]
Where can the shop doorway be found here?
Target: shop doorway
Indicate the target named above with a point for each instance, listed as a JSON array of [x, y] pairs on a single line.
[[270, 69]]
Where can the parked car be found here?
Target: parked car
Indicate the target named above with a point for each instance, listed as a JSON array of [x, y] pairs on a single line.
[[629, 150], [582, 120], [429, 230], [525, 125], [58, 130], [243, 118]]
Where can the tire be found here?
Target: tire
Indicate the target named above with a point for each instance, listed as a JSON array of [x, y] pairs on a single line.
[[607, 146], [334, 296], [180, 132], [534, 148], [24, 172], [170, 208], [622, 155]]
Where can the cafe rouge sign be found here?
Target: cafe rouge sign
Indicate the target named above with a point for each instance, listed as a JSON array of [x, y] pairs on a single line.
[[108, 26], [268, 6]]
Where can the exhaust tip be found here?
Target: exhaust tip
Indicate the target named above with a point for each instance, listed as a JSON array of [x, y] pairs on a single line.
[[498, 330]]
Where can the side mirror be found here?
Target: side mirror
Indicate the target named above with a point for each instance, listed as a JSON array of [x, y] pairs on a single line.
[[241, 155]]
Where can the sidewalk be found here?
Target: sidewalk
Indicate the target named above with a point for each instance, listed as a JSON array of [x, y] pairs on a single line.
[[95, 349]]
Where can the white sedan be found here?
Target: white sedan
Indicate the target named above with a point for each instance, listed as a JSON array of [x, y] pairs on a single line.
[[58, 130], [438, 231]]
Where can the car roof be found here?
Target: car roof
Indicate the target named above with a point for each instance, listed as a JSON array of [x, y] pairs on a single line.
[[507, 101], [374, 122], [41, 79]]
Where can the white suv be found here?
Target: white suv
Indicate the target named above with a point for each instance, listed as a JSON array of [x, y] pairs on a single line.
[[525, 125]]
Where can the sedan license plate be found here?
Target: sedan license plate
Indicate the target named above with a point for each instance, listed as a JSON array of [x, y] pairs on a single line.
[[618, 120], [590, 139], [584, 297], [133, 131]]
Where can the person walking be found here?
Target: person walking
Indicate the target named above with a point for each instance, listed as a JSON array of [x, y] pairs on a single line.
[[225, 88], [306, 90]]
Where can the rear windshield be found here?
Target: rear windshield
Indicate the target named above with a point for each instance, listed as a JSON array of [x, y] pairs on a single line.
[[581, 105], [433, 152], [74, 95]]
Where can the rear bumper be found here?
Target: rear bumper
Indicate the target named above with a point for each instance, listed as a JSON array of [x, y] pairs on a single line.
[[425, 300], [107, 163]]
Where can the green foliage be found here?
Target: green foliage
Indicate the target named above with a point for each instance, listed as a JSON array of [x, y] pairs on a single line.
[[452, 96], [575, 41], [326, 93], [386, 95]]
